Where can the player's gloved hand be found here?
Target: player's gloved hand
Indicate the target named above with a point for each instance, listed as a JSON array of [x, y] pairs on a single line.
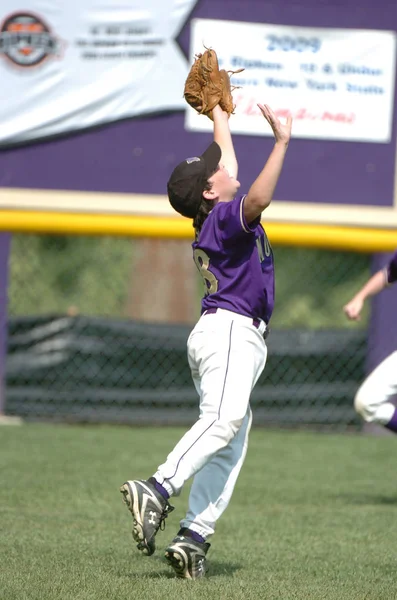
[[208, 86], [282, 132], [353, 309]]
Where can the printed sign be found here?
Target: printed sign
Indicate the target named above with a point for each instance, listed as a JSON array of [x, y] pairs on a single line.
[[70, 65], [338, 84]]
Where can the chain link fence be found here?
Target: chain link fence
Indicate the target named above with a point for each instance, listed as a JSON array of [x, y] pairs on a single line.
[[84, 347]]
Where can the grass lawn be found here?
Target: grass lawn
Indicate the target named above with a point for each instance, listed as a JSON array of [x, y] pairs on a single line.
[[313, 516]]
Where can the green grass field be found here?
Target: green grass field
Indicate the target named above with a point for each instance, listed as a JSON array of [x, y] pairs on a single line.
[[313, 517]]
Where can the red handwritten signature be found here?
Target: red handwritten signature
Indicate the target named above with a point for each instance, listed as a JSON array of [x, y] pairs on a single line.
[[248, 107]]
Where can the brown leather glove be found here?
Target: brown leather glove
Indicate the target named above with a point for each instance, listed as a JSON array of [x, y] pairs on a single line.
[[207, 85]]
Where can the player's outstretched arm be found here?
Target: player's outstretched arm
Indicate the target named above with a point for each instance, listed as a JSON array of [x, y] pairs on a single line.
[[261, 192], [373, 286], [223, 138]]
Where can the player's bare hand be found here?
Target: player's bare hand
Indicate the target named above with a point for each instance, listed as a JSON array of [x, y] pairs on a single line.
[[353, 309], [282, 131]]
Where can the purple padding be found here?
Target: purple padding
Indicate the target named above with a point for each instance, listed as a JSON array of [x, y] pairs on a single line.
[[382, 338]]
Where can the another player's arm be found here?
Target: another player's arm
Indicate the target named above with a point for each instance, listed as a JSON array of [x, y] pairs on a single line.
[[374, 285], [261, 191], [223, 138]]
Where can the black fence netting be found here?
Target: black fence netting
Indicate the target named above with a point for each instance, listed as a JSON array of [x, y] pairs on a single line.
[[96, 369], [95, 333]]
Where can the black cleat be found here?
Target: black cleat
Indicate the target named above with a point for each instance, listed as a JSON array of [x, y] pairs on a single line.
[[149, 509], [187, 557]]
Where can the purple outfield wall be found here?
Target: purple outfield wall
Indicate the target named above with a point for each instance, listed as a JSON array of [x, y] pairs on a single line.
[[137, 155]]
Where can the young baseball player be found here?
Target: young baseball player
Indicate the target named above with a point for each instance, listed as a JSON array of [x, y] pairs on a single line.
[[372, 400], [226, 349]]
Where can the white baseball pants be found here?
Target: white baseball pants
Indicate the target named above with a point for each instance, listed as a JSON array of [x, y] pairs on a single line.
[[373, 397], [226, 354]]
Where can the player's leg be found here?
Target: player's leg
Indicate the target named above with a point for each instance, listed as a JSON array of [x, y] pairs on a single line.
[[209, 496], [147, 501], [149, 508], [226, 358], [373, 398], [214, 483], [229, 357]]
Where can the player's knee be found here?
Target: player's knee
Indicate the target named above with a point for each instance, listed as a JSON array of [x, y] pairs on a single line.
[[231, 427]]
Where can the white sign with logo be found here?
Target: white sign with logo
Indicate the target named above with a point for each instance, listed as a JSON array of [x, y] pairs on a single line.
[[65, 66], [337, 83]]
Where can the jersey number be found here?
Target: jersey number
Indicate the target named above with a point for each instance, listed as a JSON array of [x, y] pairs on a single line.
[[202, 261], [264, 250]]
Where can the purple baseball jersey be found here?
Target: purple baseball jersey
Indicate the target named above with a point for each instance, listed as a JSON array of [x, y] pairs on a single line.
[[392, 269], [236, 262]]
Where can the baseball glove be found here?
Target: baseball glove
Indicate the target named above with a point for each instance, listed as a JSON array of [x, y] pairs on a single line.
[[207, 85]]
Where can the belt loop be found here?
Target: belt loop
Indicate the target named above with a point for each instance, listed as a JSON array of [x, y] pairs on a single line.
[[257, 323]]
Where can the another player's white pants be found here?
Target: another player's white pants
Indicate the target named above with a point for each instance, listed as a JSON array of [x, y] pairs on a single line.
[[372, 400], [227, 354]]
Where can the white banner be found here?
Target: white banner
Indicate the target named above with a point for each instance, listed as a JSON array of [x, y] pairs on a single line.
[[69, 65], [338, 84]]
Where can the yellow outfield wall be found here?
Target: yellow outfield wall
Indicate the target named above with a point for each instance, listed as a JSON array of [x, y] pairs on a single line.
[[358, 239]]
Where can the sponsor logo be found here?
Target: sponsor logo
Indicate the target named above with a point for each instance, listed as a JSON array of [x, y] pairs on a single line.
[[26, 40]]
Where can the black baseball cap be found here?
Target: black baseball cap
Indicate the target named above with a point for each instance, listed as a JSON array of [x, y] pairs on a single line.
[[188, 180]]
